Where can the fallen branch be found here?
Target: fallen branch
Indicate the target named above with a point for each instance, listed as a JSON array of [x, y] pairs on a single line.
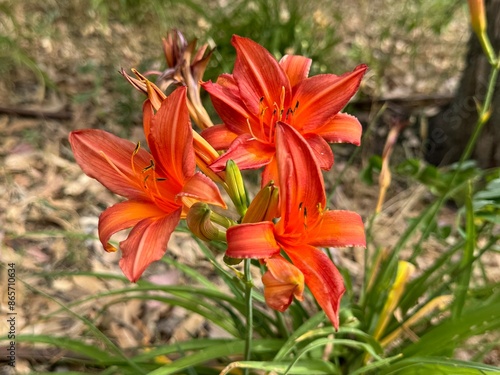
[[38, 113]]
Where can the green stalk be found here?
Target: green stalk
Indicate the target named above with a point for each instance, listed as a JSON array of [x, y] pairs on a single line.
[[280, 322], [482, 120], [249, 312], [467, 259], [483, 115]]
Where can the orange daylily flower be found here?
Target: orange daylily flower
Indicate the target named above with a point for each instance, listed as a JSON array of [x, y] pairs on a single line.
[[205, 153], [262, 92], [304, 224], [159, 185]]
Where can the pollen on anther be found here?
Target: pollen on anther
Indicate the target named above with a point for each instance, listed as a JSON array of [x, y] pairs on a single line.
[[137, 147], [136, 150], [150, 166]]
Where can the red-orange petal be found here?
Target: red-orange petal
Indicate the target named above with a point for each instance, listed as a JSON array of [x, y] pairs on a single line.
[[219, 136], [199, 188], [321, 97], [296, 68], [282, 282], [254, 240], [343, 128], [338, 229], [246, 152], [122, 216], [322, 277], [301, 182], [146, 243], [258, 75], [171, 138], [321, 150], [108, 159], [270, 173], [228, 104]]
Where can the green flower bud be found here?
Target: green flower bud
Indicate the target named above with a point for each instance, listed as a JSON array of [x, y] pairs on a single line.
[[236, 187], [198, 221]]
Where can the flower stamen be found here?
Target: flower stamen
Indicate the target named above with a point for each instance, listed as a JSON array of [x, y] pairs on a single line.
[[250, 129], [150, 166], [136, 150]]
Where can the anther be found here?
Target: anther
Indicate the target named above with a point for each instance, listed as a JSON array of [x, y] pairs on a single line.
[[136, 150], [150, 166], [137, 147]]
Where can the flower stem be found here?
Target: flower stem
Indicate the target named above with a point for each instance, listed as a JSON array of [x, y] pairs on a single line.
[[483, 116], [249, 311]]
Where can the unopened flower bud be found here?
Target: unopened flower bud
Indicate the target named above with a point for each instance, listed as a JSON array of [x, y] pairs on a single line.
[[198, 221], [264, 206], [236, 187], [477, 16]]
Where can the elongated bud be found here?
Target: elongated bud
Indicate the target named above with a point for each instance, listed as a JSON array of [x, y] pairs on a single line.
[[236, 187], [404, 272], [477, 16], [385, 173], [479, 24], [205, 155], [198, 221], [264, 206]]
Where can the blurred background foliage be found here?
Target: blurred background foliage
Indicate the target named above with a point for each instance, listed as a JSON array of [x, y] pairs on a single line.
[[66, 55], [410, 46]]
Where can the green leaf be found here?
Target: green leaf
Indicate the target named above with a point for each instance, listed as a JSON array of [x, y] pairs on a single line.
[[73, 345], [337, 343], [374, 166], [467, 258], [477, 319], [306, 367], [437, 365], [291, 342]]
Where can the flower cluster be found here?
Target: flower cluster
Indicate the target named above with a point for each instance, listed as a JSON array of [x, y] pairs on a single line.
[[273, 116]]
